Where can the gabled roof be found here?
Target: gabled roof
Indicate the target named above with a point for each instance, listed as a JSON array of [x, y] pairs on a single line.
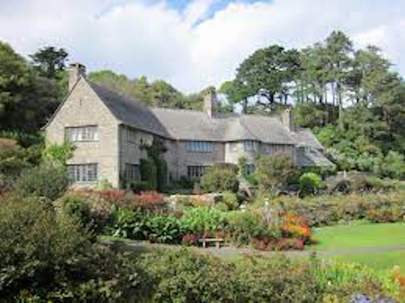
[[180, 124]]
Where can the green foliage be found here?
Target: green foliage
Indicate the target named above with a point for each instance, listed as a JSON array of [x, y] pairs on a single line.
[[164, 229], [201, 220], [310, 183], [330, 210], [272, 172], [158, 93], [49, 61], [230, 200], [49, 258], [47, 180], [245, 226], [148, 172], [26, 99], [183, 276], [219, 178], [58, 153], [393, 166], [129, 224]]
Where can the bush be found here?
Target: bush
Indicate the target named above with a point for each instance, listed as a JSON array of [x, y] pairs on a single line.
[[230, 200], [310, 183], [49, 258], [129, 224], [202, 220], [46, 180], [164, 229], [183, 276], [148, 173], [272, 172], [329, 209], [220, 178], [243, 227]]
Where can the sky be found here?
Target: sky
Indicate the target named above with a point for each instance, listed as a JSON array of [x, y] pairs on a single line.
[[197, 43]]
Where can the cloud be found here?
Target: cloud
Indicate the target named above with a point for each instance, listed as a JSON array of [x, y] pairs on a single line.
[[197, 45]]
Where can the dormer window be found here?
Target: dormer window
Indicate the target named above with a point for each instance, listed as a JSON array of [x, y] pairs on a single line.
[[81, 134]]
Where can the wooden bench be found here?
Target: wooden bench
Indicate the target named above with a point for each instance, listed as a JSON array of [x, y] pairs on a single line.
[[217, 241]]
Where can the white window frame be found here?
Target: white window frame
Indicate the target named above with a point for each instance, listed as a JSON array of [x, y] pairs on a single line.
[[83, 173], [88, 133]]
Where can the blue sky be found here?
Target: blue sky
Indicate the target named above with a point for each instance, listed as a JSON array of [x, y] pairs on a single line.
[[196, 43]]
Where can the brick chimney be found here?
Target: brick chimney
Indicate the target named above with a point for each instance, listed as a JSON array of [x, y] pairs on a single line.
[[210, 100], [76, 70], [287, 118]]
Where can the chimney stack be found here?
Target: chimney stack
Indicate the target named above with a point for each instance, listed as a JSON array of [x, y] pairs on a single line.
[[76, 70], [287, 118], [210, 100]]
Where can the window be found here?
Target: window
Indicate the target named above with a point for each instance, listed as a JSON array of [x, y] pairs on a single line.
[[249, 145], [132, 172], [199, 146], [195, 171], [85, 133], [83, 172]]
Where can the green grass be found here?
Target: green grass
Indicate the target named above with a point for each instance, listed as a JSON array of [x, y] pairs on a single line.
[[360, 235], [380, 246]]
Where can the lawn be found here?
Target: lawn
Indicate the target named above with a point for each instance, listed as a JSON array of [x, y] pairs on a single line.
[[380, 246]]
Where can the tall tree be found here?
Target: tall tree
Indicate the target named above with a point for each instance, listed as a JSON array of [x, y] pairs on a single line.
[[338, 49], [49, 60]]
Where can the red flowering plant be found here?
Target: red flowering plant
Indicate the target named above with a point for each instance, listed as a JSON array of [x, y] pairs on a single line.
[[294, 226], [150, 200]]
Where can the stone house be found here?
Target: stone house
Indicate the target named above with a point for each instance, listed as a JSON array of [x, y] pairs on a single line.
[[108, 130]]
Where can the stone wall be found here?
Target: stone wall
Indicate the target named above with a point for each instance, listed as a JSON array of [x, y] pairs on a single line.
[[83, 108]]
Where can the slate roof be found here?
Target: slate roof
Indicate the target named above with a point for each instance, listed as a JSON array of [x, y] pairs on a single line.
[[182, 124], [305, 137], [312, 157]]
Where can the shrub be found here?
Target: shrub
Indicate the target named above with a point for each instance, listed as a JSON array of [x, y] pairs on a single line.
[[295, 227], [49, 258], [393, 166], [164, 229], [183, 276], [243, 227], [129, 224], [46, 180], [272, 172], [148, 173], [329, 209], [230, 200], [150, 200], [220, 178], [202, 220], [310, 183]]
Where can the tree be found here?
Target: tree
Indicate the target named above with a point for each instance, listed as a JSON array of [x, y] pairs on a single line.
[[26, 99], [49, 60], [272, 172], [338, 50], [266, 75]]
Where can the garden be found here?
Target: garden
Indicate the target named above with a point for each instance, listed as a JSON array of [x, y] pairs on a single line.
[[53, 246]]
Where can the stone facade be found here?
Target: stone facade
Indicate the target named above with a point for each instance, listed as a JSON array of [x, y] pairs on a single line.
[[83, 108]]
